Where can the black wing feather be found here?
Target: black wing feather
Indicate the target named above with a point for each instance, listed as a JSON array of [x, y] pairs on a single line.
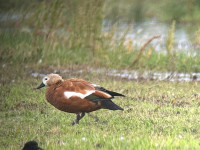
[[108, 104], [109, 92]]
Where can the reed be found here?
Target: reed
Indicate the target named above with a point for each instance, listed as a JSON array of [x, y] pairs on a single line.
[[142, 49], [197, 37], [170, 39], [170, 47]]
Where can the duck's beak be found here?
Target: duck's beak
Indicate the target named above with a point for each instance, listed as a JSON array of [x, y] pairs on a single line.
[[41, 85]]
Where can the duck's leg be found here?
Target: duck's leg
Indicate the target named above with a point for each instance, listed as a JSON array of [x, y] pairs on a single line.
[[82, 115], [78, 117]]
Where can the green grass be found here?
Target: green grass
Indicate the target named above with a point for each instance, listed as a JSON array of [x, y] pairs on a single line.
[[157, 115]]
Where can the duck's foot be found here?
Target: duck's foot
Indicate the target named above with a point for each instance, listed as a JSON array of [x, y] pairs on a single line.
[[78, 117]]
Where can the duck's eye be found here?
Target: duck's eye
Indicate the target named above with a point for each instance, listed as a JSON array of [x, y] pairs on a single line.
[[45, 78]]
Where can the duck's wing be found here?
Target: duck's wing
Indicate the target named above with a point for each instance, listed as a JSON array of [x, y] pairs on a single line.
[[84, 89], [89, 91]]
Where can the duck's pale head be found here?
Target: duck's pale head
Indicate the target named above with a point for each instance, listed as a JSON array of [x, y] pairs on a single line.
[[50, 80]]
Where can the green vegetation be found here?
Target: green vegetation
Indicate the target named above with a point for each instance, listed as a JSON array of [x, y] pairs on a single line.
[[53, 33], [26, 48], [126, 10], [157, 115]]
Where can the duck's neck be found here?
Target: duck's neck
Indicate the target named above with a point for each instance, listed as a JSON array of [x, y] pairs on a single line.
[[51, 90]]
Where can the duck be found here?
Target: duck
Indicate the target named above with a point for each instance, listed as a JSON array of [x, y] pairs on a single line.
[[77, 96], [31, 145]]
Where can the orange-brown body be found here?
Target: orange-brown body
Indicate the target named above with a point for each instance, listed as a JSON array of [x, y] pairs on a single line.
[[55, 97]]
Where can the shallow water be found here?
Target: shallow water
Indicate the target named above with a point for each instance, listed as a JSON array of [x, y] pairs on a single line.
[[139, 33], [134, 75]]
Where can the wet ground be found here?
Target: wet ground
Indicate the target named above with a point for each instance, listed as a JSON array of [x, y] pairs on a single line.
[[132, 74]]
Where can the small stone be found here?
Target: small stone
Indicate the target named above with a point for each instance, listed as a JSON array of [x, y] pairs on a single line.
[[121, 138], [83, 138]]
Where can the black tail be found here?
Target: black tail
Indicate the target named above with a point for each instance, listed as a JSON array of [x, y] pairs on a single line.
[[110, 92], [114, 93], [108, 104]]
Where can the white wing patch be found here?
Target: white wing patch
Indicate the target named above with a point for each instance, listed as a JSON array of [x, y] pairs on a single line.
[[69, 94], [95, 85]]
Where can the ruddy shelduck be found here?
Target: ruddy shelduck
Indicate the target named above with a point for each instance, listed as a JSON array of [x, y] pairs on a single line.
[[77, 95]]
